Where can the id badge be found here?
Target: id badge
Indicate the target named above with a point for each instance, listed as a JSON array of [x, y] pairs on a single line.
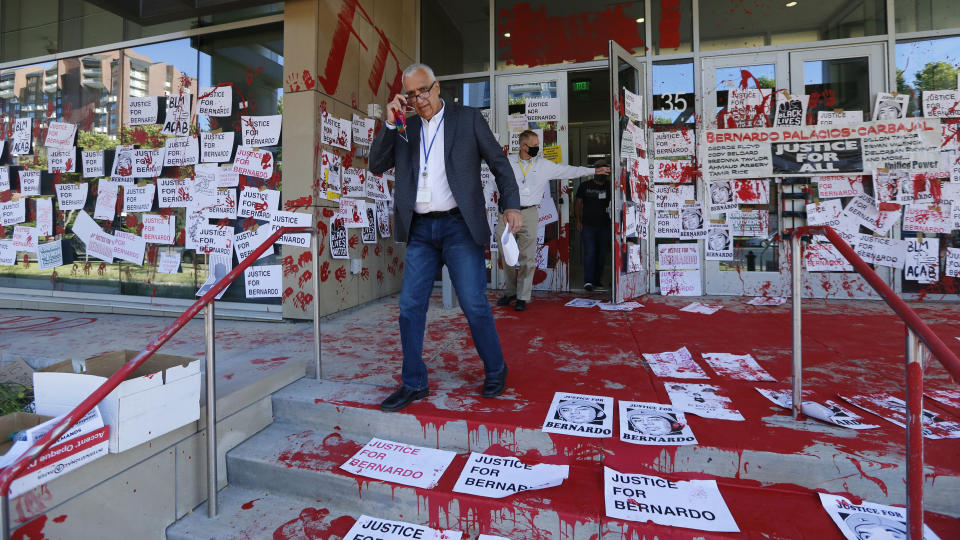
[[423, 194], [602, 195], [524, 191]]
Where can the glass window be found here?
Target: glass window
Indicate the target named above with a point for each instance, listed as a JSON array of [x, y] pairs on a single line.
[[926, 65], [29, 28], [920, 15], [469, 92], [455, 36], [673, 32], [733, 24], [85, 25], [674, 100], [538, 33]]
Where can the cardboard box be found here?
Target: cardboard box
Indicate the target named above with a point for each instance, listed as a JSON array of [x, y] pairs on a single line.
[[87, 441], [162, 395]]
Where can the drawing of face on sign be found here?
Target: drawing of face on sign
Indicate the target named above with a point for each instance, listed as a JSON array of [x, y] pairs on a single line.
[[720, 192], [578, 411], [654, 423], [691, 218], [874, 527], [718, 239]]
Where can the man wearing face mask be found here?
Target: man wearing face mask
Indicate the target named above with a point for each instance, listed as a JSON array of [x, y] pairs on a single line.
[[533, 176], [592, 215]]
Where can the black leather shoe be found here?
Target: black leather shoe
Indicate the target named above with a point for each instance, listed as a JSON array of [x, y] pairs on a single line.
[[403, 397], [495, 386], [505, 300], [521, 305]]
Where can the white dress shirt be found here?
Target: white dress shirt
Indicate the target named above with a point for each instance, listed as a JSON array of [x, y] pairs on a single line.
[[441, 198], [533, 176]]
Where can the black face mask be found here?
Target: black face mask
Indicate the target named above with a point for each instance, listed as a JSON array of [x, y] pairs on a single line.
[[533, 150]]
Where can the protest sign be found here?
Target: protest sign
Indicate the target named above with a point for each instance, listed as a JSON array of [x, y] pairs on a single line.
[[693, 504], [93, 163], [677, 364], [622, 306], [22, 137], [4, 175], [737, 366], [679, 143], [362, 130], [138, 198], [255, 163], [543, 109], [829, 187], [13, 212], [582, 303], [819, 257], [216, 147], [351, 212], [383, 220], [169, 262], [747, 107], [263, 281], [8, 253], [868, 520], [368, 234], [129, 247], [223, 205], [29, 183], [881, 251], [181, 151], [142, 111], [498, 477], [928, 219], [837, 118], [863, 210], [824, 213], [49, 255], [634, 258], [917, 188], [791, 110], [702, 400], [886, 184], [947, 397], [62, 160], [750, 223], [952, 266], [258, 204], [940, 103], [83, 226], [177, 119], [923, 260], [336, 131], [173, 193], [261, 131], [890, 107], [719, 242], [100, 245], [137, 163], [691, 221], [672, 197], [676, 171], [221, 266], [158, 229], [246, 242], [369, 528], [680, 283], [828, 412], [653, 424], [339, 249], [910, 144], [351, 183], [678, 256], [44, 216], [580, 414], [767, 301], [632, 105], [894, 410], [106, 205], [376, 188], [751, 191], [60, 135], [400, 463], [721, 198], [211, 239], [215, 101], [25, 238]]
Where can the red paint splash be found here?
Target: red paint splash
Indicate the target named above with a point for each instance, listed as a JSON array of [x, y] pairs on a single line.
[[249, 504], [60, 519], [314, 523], [32, 530], [669, 25]]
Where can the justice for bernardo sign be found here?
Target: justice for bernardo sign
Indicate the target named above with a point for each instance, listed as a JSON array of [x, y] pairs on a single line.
[[909, 144], [580, 414], [370, 528], [495, 476], [400, 463]]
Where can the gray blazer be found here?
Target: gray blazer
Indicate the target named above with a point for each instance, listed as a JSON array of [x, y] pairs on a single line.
[[466, 140]]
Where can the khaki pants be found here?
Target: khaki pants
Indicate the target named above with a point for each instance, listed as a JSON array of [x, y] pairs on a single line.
[[519, 281]]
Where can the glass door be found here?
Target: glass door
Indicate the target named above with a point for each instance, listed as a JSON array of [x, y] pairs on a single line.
[[538, 102], [744, 214], [630, 177], [837, 78]]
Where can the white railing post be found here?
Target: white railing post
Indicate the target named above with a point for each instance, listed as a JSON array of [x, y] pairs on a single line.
[[914, 373], [211, 413], [314, 269], [795, 266]]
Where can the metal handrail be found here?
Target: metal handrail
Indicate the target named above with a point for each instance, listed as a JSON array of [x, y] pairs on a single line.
[[917, 332], [9, 473]]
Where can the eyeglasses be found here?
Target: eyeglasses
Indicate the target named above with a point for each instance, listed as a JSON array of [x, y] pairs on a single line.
[[422, 93]]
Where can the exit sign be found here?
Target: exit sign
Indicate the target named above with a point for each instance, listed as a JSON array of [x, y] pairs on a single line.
[[581, 86]]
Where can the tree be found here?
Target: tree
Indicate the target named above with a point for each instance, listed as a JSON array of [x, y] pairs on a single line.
[[902, 87], [89, 140], [767, 82], [935, 76]]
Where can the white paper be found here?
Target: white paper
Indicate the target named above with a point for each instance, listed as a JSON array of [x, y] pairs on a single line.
[[543, 109], [367, 527], [336, 131], [44, 216], [169, 262], [62, 160], [678, 256], [839, 186], [632, 105], [216, 147], [177, 121], [834, 118], [923, 260], [952, 263], [25, 238], [60, 135], [767, 301], [383, 220], [653, 424], [705, 309], [49, 255], [824, 212], [928, 219], [721, 198], [181, 151], [158, 229], [947, 397], [890, 107], [677, 364], [824, 258], [694, 504], [363, 129], [100, 245], [580, 414], [215, 100], [352, 213], [22, 136], [829, 412], [791, 110], [680, 283], [498, 477], [351, 184], [941, 103], [622, 306], [84, 226], [752, 223], [246, 242], [29, 183], [868, 520], [13, 212], [258, 204], [702, 400], [93, 163], [894, 410], [263, 281], [221, 266], [129, 247], [339, 249], [719, 242], [737, 366], [676, 171], [212, 240], [258, 164], [400, 463], [692, 221], [138, 198], [679, 143], [4, 173], [881, 251], [8, 253], [142, 111], [261, 131], [137, 163], [582, 303]]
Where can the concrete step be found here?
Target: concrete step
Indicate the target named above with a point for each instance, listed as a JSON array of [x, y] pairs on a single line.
[[305, 463], [831, 458]]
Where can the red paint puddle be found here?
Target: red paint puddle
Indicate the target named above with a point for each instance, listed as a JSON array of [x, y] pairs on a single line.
[[32, 530], [327, 455], [249, 504], [314, 523]]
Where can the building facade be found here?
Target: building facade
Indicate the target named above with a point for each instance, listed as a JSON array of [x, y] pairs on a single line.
[[329, 63]]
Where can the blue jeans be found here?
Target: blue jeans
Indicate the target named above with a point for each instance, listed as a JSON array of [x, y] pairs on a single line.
[[595, 241], [434, 242]]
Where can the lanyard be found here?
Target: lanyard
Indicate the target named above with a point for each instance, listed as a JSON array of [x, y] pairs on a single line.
[[423, 144], [524, 172]]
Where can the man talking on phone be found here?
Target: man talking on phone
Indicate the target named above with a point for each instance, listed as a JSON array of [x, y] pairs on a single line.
[[440, 214]]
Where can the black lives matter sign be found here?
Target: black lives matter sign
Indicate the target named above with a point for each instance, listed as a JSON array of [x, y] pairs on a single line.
[[835, 156]]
